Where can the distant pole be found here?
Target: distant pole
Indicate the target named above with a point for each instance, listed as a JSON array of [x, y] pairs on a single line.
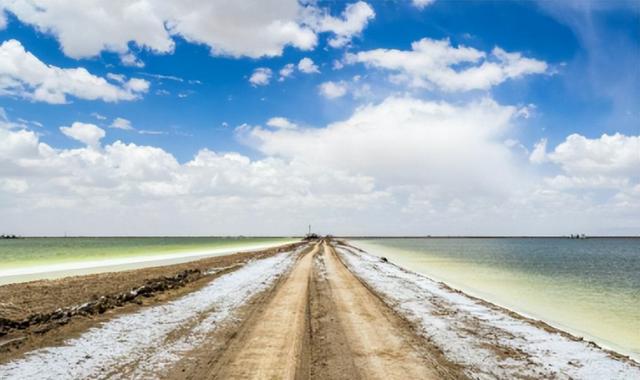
[[309, 229]]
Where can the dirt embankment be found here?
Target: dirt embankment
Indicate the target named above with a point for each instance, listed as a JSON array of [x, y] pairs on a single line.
[[45, 312]]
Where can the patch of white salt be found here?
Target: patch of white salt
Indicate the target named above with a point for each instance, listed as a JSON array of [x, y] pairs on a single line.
[[138, 339], [486, 340]]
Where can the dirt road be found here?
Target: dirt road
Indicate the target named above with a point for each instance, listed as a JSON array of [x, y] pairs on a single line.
[[272, 347], [381, 344], [359, 338], [312, 319]]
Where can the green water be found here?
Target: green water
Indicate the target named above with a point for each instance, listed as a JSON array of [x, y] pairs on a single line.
[[588, 287], [15, 253]]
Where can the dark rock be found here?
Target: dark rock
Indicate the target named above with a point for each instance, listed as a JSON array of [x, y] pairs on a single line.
[[63, 321]]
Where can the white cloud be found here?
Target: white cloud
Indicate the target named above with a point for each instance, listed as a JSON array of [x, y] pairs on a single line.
[[286, 71], [88, 134], [3, 19], [608, 162], [281, 123], [357, 87], [355, 18], [539, 153], [98, 116], [165, 77], [127, 187], [23, 74], [251, 28], [608, 155], [421, 4], [105, 25], [260, 76], [129, 59], [151, 132], [433, 143], [435, 64], [333, 90], [254, 29], [121, 123], [528, 111], [116, 77], [307, 66], [449, 166], [137, 85]]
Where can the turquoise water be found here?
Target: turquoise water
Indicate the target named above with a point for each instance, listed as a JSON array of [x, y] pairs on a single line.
[[15, 253], [588, 287]]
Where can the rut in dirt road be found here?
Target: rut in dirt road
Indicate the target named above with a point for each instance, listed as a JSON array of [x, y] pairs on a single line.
[[381, 345], [273, 347]]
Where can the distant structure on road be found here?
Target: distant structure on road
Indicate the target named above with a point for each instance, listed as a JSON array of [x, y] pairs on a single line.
[[311, 236]]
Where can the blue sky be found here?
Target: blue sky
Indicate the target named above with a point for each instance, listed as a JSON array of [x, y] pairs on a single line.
[[572, 70]]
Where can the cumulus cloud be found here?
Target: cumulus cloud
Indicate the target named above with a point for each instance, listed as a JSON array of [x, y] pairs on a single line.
[[436, 64], [423, 165], [333, 90], [137, 85], [256, 28], [356, 87], [122, 187], [260, 76], [281, 123], [286, 71], [88, 134], [121, 123], [353, 20], [424, 136], [130, 59], [609, 162], [608, 155], [307, 66], [23, 74]]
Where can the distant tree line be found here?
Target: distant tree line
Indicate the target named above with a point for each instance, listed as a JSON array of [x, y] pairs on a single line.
[[3, 236]]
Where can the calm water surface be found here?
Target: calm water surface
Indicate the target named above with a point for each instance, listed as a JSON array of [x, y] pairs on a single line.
[[38, 251], [588, 287]]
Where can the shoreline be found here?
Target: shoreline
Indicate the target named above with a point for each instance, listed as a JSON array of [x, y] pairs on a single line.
[[487, 298], [537, 318], [187, 316], [65, 269], [399, 298]]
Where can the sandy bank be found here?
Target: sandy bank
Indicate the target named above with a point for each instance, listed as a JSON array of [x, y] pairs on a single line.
[[52, 271]]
